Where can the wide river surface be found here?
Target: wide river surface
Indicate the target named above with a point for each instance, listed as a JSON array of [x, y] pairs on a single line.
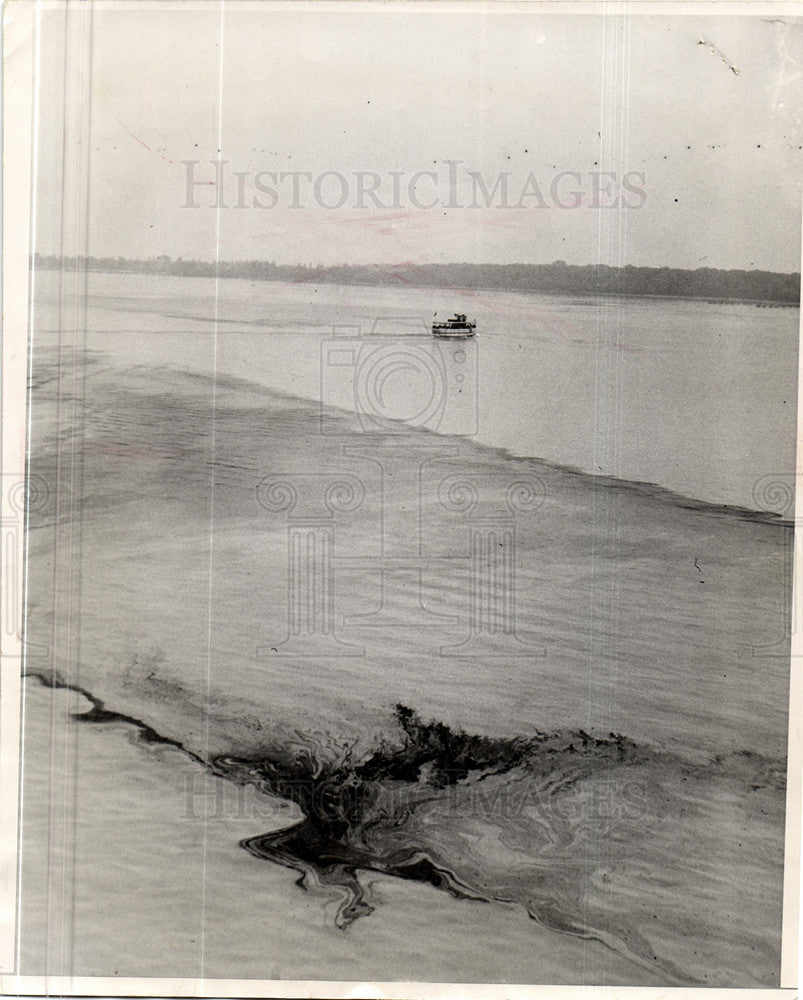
[[448, 635]]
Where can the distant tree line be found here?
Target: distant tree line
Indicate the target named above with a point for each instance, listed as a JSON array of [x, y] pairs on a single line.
[[558, 278]]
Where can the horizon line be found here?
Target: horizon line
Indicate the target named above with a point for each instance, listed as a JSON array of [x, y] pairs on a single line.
[[411, 264]]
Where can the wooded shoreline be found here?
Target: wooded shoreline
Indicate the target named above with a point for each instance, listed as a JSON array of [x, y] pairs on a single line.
[[759, 287]]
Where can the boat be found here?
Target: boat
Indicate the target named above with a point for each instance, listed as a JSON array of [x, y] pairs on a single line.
[[457, 326]]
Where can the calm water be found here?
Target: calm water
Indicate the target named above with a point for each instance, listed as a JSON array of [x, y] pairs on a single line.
[[699, 398], [260, 569]]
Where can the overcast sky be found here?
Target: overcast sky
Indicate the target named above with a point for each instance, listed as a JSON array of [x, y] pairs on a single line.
[[713, 156]]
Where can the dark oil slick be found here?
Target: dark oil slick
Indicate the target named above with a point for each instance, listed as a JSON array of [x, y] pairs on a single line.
[[502, 782], [450, 809]]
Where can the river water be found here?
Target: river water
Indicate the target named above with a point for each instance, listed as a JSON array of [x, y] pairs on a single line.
[[458, 635]]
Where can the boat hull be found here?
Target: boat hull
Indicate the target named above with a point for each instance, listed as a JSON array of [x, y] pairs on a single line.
[[459, 326]]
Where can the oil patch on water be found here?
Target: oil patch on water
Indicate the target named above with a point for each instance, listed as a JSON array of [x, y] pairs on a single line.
[[597, 837], [575, 829]]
